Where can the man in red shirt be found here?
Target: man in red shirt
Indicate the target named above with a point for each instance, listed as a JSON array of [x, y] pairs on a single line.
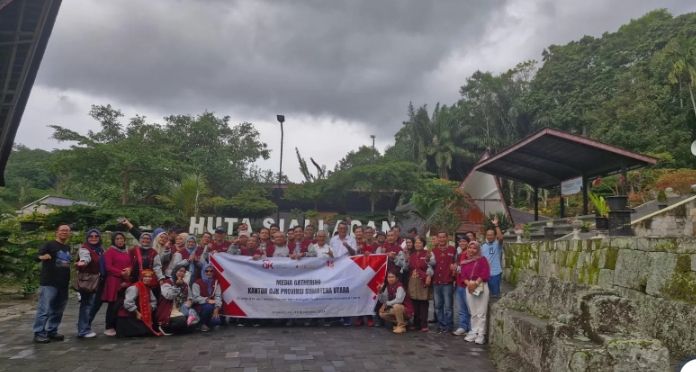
[[443, 263], [219, 244], [309, 233], [392, 248], [297, 244]]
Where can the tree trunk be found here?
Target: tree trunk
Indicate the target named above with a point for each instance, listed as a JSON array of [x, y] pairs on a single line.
[[198, 192], [691, 94], [125, 184], [443, 173], [372, 203]]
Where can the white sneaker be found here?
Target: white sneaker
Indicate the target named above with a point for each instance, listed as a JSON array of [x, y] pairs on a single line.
[[470, 337], [110, 332], [459, 332], [480, 340], [90, 335]]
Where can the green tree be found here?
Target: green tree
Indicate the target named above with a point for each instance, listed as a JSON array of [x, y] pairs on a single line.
[[363, 156], [383, 177], [681, 52], [114, 158], [220, 153], [252, 202]]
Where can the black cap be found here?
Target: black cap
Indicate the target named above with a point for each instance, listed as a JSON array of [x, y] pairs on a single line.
[[220, 229]]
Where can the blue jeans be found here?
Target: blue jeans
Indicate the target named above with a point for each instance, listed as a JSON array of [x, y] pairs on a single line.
[[207, 315], [97, 303], [494, 285], [84, 319], [442, 295], [464, 317], [49, 311]]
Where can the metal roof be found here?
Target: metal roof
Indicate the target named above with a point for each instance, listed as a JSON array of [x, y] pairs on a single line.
[[25, 26], [551, 156]]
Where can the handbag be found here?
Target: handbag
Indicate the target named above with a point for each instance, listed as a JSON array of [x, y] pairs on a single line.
[[87, 282], [478, 290]]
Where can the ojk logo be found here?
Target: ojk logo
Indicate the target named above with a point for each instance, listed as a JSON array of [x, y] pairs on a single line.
[[267, 264]]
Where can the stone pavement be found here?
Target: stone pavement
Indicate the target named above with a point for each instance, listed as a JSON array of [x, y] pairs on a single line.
[[239, 349]]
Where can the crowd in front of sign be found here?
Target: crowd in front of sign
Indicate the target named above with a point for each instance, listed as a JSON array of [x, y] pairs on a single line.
[[165, 284]]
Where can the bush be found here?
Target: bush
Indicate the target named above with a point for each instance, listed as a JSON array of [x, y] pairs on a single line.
[[680, 180], [84, 217]]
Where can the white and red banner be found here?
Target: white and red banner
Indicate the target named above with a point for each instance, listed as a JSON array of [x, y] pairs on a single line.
[[307, 288]]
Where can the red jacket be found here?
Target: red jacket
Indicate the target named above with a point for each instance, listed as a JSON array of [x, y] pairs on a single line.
[[444, 258]]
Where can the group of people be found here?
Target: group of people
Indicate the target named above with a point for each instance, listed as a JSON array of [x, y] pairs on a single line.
[[165, 284]]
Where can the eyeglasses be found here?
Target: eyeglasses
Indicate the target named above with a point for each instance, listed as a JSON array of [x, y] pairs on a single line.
[[209, 271], [94, 236]]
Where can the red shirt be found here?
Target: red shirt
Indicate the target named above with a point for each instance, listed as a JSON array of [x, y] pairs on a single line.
[[444, 257], [220, 247], [270, 248], [304, 246], [363, 247], [473, 270], [418, 263]]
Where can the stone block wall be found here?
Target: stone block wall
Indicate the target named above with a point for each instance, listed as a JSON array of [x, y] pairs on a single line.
[[657, 275], [675, 220]]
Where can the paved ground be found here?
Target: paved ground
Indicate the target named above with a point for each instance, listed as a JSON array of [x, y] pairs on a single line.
[[239, 349]]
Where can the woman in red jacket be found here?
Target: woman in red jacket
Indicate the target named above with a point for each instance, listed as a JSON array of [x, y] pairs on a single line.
[[117, 263], [474, 273], [418, 283]]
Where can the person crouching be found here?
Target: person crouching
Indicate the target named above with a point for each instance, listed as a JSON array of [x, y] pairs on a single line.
[[136, 315], [205, 293], [396, 305], [174, 312]]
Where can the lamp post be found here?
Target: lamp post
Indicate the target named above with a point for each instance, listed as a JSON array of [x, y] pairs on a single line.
[[281, 120], [373, 140]]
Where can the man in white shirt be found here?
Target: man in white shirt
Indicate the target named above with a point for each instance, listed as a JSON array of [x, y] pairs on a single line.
[[320, 248], [281, 246], [343, 244]]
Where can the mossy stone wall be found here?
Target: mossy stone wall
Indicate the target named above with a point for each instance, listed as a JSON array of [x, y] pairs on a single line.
[[658, 274]]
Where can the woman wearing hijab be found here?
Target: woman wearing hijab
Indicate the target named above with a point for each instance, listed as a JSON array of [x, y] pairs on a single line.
[[205, 293], [145, 257], [474, 273], [117, 264], [188, 254], [418, 283], [162, 247], [174, 312], [90, 261], [135, 317]]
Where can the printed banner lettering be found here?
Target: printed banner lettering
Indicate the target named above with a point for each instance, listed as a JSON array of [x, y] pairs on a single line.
[[311, 287]]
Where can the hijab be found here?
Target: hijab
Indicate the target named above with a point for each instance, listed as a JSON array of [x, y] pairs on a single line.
[[143, 245], [97, 248], [195, 244], [156, 244], [209, 282]]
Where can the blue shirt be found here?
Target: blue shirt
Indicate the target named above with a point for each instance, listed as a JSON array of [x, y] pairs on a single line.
[[493, 252]]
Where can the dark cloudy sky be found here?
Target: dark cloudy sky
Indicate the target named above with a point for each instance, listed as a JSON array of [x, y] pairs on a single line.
[[338, 70]]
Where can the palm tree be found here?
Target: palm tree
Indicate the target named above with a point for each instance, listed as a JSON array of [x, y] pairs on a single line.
[[681, 52], [186, 196], [447, 141]]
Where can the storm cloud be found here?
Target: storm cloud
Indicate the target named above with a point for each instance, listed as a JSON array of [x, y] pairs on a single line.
[[333, 67]]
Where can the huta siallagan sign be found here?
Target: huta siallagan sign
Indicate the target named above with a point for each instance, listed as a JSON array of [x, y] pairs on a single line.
[[202, 224]]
